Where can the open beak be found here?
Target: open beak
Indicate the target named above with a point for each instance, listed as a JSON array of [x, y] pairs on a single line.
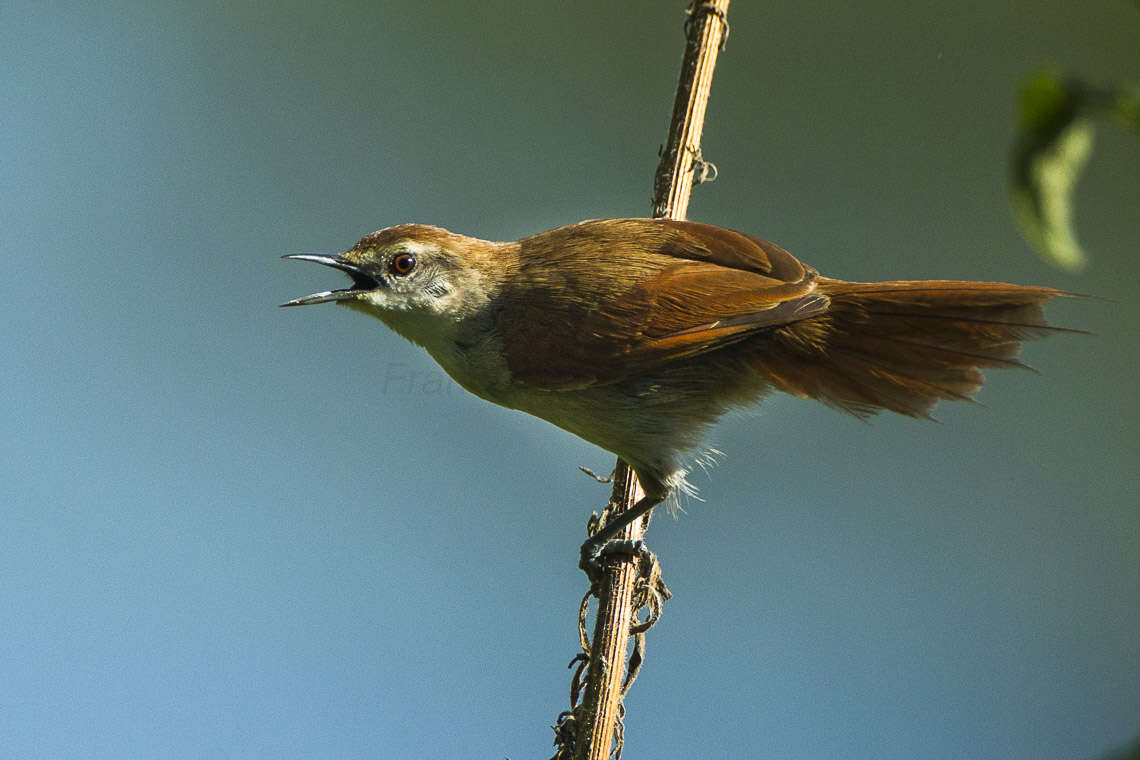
[[361, 281]]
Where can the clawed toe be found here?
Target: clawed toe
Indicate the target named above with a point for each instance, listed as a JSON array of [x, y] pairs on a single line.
[[594, 554]]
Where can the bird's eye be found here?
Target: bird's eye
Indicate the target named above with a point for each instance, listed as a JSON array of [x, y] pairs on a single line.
[[403, 263]]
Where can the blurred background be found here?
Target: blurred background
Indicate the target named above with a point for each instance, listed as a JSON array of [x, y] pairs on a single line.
[[231, 530]]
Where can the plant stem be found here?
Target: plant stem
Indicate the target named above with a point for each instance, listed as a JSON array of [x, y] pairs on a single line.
[[706, 29]]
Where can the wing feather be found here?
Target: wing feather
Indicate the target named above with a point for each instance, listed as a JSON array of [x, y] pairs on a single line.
[[679, 289]]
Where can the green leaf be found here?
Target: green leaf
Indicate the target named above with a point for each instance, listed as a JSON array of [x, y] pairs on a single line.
[[1054, 140]]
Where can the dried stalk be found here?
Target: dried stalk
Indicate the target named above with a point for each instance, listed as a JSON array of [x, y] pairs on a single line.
[[706, 29]]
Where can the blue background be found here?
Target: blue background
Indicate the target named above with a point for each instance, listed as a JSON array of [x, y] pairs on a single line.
[[231, 530]]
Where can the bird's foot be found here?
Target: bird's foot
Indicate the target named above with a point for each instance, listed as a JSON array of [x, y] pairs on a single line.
[[593, 554]]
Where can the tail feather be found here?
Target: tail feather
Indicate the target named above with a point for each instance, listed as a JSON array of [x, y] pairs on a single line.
[[906, 345]]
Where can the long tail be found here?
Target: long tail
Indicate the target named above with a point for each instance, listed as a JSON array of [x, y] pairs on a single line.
[[905, 345]]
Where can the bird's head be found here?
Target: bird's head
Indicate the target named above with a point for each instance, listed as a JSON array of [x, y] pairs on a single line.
[[412, 277]]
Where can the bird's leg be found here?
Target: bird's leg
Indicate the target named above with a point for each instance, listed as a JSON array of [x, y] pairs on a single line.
[[598, 546]]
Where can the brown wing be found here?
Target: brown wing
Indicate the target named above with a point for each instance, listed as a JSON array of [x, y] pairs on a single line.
[[600, 301]]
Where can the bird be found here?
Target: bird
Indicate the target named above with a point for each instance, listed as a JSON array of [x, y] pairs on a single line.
[[637, 334]]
